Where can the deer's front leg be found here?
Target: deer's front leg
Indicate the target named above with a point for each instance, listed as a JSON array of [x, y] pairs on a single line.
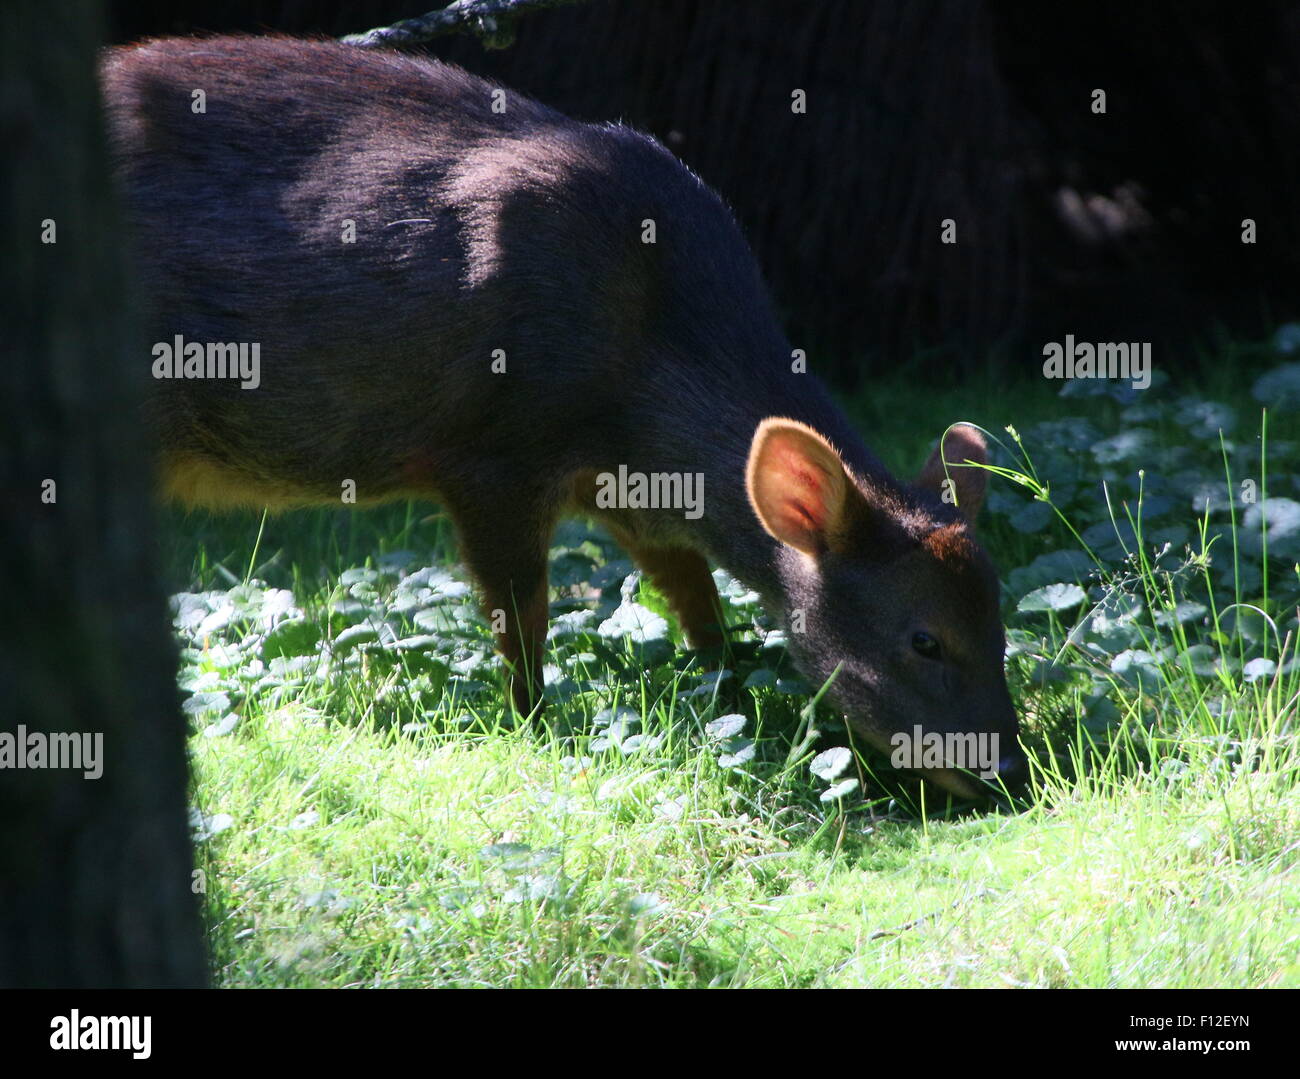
[[683, 576], [507, 556]]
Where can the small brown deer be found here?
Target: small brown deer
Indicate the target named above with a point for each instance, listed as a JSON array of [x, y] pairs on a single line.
[[449, 291]]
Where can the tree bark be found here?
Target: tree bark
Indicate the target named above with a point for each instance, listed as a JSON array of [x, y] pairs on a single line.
[[95, 873]]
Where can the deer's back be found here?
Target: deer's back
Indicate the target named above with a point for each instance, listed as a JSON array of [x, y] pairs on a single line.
[[388, 228]]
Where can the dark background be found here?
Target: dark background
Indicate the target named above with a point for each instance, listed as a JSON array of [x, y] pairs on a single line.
[[1121, 227]]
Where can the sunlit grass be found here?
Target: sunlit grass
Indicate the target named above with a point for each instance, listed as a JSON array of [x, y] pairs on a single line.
[[368, 816]]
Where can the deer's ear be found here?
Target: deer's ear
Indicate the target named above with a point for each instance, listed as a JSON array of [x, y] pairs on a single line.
[[798, 487], [962, 446]]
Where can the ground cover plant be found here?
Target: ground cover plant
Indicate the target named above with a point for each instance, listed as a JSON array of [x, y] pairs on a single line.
[[367, 815]]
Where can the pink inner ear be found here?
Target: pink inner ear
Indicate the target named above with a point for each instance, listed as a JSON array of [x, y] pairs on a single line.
[[797, 517], [803, 493]]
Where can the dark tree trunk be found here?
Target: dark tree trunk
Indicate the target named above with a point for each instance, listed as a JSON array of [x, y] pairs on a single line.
[[95, 873]]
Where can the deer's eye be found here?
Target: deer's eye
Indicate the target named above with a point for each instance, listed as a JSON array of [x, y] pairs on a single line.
[[925, 645]]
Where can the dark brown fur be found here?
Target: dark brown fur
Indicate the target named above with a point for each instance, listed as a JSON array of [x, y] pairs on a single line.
[[520, 231]]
